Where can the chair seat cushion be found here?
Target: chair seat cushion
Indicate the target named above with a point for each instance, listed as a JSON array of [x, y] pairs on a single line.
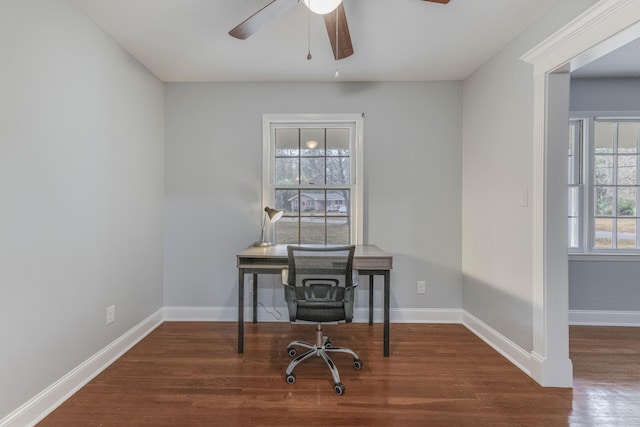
[[320, 311], [319, 305]]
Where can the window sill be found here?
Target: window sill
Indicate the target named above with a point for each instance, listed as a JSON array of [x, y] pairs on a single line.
[[611, 257]]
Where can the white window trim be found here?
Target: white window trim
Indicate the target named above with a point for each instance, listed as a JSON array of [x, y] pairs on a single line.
[[582, 189], [608, 257], [268, 122]]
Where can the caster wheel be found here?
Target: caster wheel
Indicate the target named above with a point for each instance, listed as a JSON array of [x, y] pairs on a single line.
[[339, 388], [291, 351], [357, 363], [291, 378], [328, 344]]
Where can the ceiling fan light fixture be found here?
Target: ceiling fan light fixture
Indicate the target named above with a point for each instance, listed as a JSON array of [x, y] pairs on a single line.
[[322, 7]]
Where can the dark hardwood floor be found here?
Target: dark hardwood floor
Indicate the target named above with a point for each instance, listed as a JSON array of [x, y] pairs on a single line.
[[189, 374]]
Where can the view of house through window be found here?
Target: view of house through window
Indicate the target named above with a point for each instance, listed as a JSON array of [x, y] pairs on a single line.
[[612, 179], [313, 181]]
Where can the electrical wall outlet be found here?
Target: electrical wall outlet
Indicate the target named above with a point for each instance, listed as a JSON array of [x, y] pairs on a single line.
[[111, 314], [421, 287]]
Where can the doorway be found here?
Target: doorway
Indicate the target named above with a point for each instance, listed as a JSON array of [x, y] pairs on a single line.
[[601, 29]]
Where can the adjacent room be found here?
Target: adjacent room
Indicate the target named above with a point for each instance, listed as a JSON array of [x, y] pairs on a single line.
[[157, 157]]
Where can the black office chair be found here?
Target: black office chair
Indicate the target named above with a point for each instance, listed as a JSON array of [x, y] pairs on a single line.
[[320, 287]]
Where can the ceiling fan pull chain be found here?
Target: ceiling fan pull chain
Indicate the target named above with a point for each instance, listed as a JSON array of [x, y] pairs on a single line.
[[309, 34]]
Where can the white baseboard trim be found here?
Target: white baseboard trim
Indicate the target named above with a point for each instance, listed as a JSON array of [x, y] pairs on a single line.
[[604, 318], [424, 315], [361, 315], [53, 396], [503, 345], [551, 373], [206, 314]]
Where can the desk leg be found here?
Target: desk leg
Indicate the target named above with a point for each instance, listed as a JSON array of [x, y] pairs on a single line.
[[387, 295], [370, 300], [255, 298], [240, 310]]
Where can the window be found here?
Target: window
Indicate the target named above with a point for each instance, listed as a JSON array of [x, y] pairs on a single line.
[[575, 184], [313, 172], [610, 172]]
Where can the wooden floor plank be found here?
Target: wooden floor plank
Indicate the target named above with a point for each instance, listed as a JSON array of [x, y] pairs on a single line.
[[189, 374]]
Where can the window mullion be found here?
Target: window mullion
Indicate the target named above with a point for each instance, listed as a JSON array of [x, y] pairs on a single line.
[[637, 188], [299, 216], [591, 202], [326, 201], [614, 208]]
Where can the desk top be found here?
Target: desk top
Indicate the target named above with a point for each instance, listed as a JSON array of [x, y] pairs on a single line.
[[365, 257]]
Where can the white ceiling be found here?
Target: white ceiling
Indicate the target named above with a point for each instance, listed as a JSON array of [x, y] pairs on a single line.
[[394, 40]]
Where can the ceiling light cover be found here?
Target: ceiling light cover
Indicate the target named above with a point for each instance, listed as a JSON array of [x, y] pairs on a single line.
[[322, 7]]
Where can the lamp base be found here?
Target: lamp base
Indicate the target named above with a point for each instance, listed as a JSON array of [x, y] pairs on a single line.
[[262, 244]]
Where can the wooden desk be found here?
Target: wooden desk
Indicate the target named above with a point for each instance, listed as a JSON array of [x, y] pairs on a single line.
[[369, 260]]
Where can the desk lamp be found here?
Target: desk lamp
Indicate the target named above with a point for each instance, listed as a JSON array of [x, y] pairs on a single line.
[[273, 215]]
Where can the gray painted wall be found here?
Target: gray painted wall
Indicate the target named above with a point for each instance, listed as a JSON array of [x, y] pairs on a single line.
[[412, 167], [81, 191], [605, 285], [602, 95], [497, 169]]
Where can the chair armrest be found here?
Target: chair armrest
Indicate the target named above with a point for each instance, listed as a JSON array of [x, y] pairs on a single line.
[[349, 297], [289, 295]]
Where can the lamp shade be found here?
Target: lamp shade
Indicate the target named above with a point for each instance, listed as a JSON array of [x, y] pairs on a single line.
[[322, 7], [273, 214]]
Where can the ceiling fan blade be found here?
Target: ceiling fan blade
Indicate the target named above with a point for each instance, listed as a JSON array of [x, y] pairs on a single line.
[[253, 23], [438, 1], [345, 48]]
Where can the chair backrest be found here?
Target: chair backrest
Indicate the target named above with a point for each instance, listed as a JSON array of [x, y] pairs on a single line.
[[318, 273]]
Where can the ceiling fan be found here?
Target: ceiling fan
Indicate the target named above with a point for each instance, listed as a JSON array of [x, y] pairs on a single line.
[[334, 19]]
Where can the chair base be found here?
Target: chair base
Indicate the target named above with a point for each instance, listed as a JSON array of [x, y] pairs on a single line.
[[321, 348]]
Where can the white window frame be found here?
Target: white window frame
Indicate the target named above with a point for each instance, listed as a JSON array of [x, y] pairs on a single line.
[[579, 182], [587, 214], [354, 121]]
